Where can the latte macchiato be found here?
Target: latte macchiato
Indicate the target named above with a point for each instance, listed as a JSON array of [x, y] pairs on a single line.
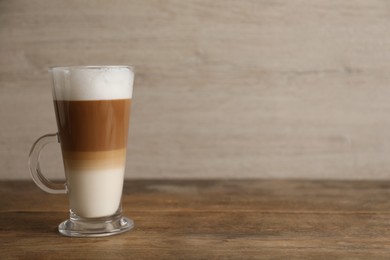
[[93, 119], [92, 107]]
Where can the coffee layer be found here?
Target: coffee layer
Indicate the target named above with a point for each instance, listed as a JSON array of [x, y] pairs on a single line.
[[94, 160], [98, 125]]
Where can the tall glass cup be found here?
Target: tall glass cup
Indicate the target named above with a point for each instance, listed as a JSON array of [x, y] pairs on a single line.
[[92, 107]]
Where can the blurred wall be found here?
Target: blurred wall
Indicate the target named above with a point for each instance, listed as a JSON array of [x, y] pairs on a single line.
[[224, 89]]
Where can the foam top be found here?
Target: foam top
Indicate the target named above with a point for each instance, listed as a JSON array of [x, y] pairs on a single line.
[[92, 83]]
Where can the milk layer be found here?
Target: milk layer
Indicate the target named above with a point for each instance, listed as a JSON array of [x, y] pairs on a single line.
[[95, 181], [95, 193]]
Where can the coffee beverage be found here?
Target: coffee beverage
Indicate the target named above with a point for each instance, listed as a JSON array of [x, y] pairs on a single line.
[[92, 109]]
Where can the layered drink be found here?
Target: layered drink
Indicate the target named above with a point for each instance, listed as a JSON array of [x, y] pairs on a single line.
[[93, 109]]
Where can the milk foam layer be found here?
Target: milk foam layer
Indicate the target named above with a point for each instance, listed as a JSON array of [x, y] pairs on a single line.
[[92, 83]]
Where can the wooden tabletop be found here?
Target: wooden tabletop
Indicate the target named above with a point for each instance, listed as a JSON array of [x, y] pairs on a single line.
[[226, 219]]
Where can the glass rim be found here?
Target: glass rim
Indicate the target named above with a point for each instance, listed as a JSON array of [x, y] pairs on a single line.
[[90, 67]]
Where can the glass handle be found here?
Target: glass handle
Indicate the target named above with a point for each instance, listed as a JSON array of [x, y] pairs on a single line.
[[35, 170]]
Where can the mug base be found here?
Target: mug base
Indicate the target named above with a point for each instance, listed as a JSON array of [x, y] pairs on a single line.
[[95, 227]]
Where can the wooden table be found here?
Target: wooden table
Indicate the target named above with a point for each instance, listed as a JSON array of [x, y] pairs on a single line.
[[208, 219]]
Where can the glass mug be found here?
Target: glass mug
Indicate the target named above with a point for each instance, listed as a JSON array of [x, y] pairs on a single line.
[[92, 107]]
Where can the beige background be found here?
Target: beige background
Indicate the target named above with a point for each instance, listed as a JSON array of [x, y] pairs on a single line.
[[224, 89]]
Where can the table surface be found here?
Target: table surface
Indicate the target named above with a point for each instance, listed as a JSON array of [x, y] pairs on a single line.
[[205, 219]]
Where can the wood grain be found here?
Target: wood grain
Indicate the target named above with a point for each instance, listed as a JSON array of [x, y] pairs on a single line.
[[210, 219], [260, 89]]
